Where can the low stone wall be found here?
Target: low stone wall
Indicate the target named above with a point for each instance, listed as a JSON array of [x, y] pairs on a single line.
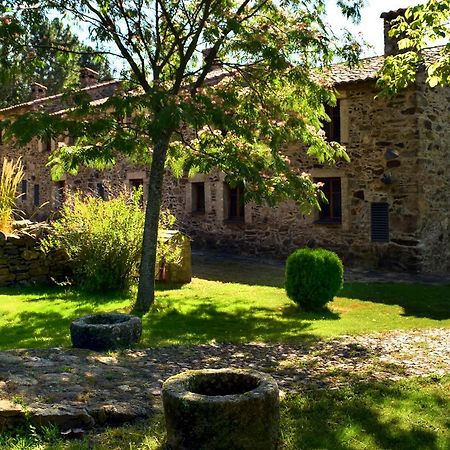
[[23, 263]]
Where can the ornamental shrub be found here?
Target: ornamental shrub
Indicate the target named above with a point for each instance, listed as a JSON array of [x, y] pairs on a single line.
[[103, 239], [10, 178], [313, 277]]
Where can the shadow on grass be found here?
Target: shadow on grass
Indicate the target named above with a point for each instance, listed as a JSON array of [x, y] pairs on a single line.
[[418, 300], [56, 293], [33, 329], [48, 326], [205, 323], [227, 271], [294, 311], [390, 415]]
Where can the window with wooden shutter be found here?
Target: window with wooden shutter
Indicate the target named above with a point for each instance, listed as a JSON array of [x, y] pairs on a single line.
[[24, 190], [379, 218], [47, 144], [235, 206], [36, 195], [101, 190]]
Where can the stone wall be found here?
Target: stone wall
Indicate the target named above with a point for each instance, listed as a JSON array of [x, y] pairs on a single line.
[[434, 176], [370, 128], [23, 263]]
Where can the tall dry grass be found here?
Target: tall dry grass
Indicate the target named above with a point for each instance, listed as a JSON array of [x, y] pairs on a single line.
[[12, 174]]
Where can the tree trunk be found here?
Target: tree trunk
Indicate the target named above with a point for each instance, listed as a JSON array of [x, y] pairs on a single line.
[[146, 289]]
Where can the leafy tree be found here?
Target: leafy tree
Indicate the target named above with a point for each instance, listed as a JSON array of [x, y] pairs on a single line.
[[35, 48], [418, 28], [177, 111]]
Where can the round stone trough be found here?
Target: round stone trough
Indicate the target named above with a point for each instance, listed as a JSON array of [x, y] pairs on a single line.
[[221, 409], [106, 331]]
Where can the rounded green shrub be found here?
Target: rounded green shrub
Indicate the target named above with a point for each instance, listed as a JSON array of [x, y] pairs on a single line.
[[313, 277]]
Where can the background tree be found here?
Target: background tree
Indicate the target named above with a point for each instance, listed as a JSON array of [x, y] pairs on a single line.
[[420, 27], [179, 110], [34, 48]]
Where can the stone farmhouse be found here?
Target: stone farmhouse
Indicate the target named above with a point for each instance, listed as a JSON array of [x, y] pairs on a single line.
[[389, 207]]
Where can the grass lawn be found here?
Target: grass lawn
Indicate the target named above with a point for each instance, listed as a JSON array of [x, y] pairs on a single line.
[[403, 415], [226, 302]]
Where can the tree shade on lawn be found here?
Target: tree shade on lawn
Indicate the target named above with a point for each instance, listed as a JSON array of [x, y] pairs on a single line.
[[226, 303]]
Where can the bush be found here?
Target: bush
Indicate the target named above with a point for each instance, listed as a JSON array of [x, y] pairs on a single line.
[[11, 176], [313, 277], [103, 239]]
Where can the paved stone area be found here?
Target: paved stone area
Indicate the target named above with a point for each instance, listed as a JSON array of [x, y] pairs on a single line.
[[75, 388], [204, 260]]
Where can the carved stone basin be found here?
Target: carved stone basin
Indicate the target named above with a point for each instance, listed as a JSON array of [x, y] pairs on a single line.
[[105, 331], [221, 409]]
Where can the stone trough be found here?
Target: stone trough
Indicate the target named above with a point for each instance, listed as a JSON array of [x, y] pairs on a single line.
[[105, 331], [221, 409]]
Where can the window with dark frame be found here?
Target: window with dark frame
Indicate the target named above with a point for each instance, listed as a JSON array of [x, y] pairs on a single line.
[[36, 195], [332, 129], [138, 184], [24, 190], [236, 205], [331, 210], [198, 197], [101, 191], [47, 145]]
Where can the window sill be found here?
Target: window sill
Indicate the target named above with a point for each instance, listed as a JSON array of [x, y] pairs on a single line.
[[198, 213]]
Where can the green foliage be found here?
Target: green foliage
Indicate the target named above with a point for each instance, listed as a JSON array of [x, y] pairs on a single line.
[[313, 277], [11, 176], [265, 98], [421, 26], [103, 239]]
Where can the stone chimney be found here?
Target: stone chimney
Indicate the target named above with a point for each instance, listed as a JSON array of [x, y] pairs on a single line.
[[391, 44], [38, 91], [216, 62], [88, 77]]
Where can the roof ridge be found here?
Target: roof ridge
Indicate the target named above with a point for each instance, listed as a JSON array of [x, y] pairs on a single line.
[[54, 96], [433, 47]]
